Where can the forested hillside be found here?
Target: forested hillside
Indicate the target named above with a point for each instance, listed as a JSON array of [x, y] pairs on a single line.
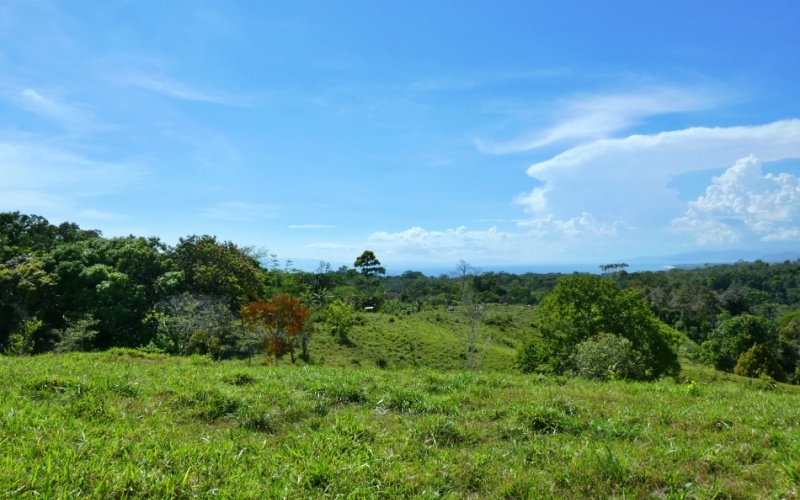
[[65, 288]]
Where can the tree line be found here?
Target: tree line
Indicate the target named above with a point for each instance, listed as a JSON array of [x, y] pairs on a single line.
[[66, 288]]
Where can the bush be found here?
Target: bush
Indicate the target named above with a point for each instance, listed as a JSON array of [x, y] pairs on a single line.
[[78, 335], [757, 362], [530, 358], [608, 357]]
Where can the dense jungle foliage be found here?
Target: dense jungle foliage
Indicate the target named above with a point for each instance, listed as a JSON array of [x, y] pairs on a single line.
[[64, 288]]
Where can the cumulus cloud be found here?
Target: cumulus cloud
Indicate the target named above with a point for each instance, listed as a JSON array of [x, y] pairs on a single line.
[[743, 202], [624, 181], [584, 225], [594, 117]]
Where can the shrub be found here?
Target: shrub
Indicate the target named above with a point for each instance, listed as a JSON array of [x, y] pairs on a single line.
[[759, 361], [734, 336], [78, 335], [530, 358], [608, 357]]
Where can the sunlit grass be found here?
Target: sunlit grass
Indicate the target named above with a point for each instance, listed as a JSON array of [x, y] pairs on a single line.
[[431, 338], [121, 424]]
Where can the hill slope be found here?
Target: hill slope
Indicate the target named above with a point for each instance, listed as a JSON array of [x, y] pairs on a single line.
[[124, 424], [433, 338]]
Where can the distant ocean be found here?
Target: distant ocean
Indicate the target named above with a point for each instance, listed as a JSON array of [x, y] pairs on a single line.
[[429, 270], [665, 263]]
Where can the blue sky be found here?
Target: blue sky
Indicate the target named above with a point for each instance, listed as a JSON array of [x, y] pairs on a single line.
[[495, 132]]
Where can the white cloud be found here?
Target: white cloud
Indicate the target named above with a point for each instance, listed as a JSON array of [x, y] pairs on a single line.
[[442, 245], [574, 227], [624, 181], [743, 202], [595, 117]]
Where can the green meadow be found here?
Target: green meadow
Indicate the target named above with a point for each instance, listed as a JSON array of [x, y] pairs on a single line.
[[127, 424]]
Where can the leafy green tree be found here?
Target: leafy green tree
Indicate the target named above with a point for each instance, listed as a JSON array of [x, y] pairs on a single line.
[[734, 336], [531, 357], [218, 269], [757, 361], [114, 280], [33, 234], [736, 299], [340, 316], [369, 290], [369, 265], [789, 325], [584, 306], [26, 291], [698, 307], [23, 234]]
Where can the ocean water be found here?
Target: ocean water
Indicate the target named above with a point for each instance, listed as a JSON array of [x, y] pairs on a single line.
[[432, 270]]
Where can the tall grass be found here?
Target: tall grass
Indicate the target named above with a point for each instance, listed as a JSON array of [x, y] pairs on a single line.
[[122, 424]]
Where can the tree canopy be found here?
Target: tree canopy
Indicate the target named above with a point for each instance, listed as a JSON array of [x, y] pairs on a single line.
[[580, 308], [368, 264]]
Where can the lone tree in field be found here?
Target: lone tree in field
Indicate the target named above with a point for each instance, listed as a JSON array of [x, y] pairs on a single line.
[[583, 307], [283, 322], [473, 311]]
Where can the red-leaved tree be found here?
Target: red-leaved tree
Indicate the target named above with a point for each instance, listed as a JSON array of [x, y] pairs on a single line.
[[283, 322]]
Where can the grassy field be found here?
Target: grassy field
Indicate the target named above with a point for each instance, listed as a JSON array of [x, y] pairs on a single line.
[[124, 424], [433, 338]]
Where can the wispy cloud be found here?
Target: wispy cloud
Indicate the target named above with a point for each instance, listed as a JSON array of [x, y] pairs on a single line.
[[237, 211], [177, 90], [599, 116], [71, 117], [102, 215], [38, 177], [39, 166]]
